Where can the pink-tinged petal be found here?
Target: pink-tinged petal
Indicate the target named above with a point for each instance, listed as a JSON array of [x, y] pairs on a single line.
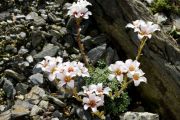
[[51, 77], [141, 73], [136, 82], [142, 79], [71, 84], [106, 90], [94, 109], [129, 25], [92, 97], [140, 36], [120, 63], [62, 83], [136, 63], [119, 78], [130, 74], [85, 100], [111, 76], [86, 106], [149, 36], [128, 62]]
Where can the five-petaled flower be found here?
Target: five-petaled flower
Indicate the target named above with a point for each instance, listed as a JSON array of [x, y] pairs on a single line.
[[144, 29], [93, 102], [131, 65], [117, 71], [79, 9], [137, 77]]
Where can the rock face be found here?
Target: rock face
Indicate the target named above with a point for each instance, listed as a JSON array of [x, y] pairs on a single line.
[[161, 54], [139, 116]]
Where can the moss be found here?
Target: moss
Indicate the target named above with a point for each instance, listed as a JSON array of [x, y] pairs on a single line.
[[100, 75], [166, 6]]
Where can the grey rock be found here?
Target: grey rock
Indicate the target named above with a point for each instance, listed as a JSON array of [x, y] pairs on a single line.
[[20, 17], [22, 34], [44, 104], [177, 22], [10, 48], [39, 21], [160, 18], [111, 56], [23, 65], [84, 115], [21, 88], [55, 119], [22, 51], [19, 111], [14, 75], [29, 59], [96, 53], [2, 108], [36, 79], [57, 114], [3, 15], [139, 116], [44, 16], [63, 31], [57, 101], [8, 88], [7, 37], [53, 18], [65, 54], [90, 42], [35, 110], [55, 33], [48, 50], [31, 16], [5, 115], [60, 2], [36, 37], [23, 103], [35, 94]]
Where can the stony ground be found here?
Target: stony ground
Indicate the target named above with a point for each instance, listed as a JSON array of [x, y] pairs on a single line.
[[29, 31]]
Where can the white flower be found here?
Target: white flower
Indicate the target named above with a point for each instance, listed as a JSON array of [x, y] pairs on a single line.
[[52, 70], [100, 90], [117, 70], [79, 9], [135, 25], [66, 79], [89, 90], [132, 65], [137, 77], [82, 70], [70, 67], [144, 29], [44, 64], [93, 102]]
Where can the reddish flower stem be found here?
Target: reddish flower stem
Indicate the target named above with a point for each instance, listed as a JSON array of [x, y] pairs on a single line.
[[80, 44]]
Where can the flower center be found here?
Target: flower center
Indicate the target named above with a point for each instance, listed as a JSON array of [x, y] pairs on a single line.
[[70, 69], [75, 13], [100, 91], [67, 79], [118, 72], [45, 64], [92, 103], [53, 69], [131, 68], [136, 76]]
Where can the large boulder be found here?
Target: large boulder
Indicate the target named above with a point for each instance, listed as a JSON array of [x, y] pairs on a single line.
[[161, 59]]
